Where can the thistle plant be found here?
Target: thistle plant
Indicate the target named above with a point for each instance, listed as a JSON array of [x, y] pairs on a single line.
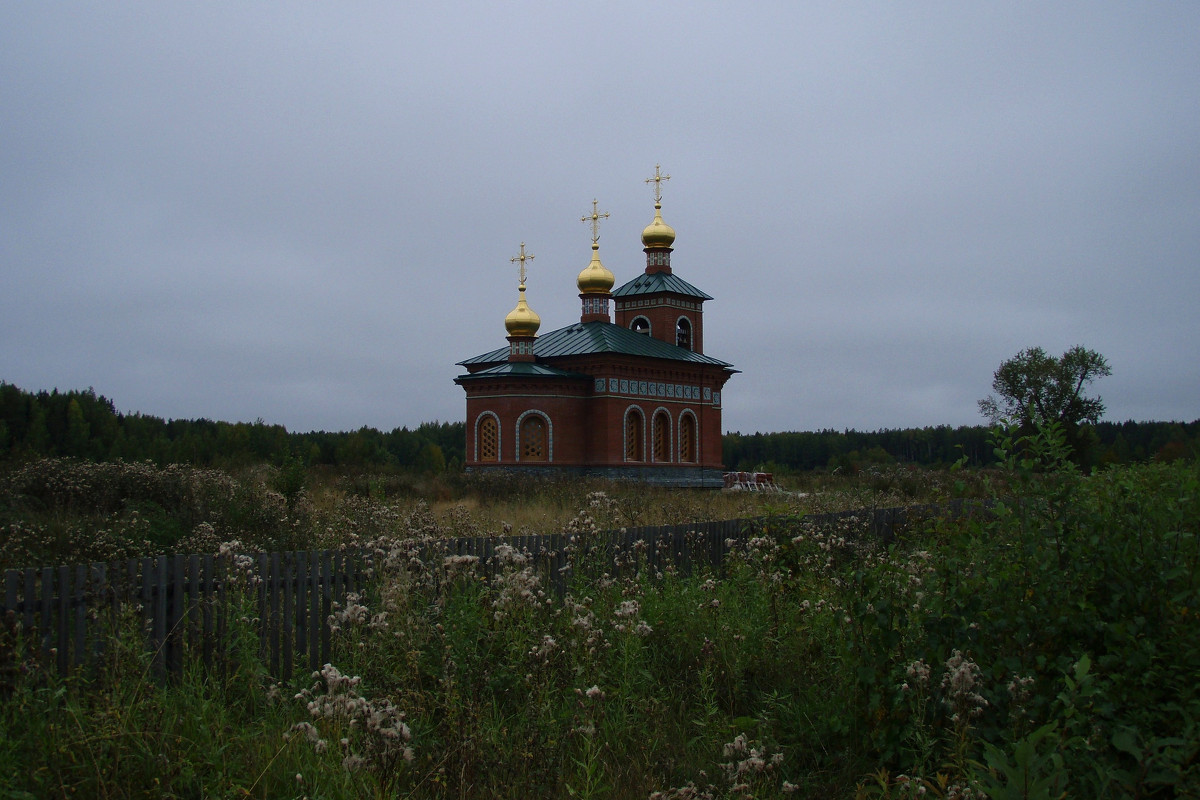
[[960, 686], [751, 767], [366, 734]]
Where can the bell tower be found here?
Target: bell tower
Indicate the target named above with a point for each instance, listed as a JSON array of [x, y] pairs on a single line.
[[659, 303]]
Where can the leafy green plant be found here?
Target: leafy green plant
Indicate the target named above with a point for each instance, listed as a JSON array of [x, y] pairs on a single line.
[[1035, 772]]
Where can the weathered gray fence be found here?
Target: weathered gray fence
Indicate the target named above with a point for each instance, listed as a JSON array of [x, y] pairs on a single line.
[[72, 616]]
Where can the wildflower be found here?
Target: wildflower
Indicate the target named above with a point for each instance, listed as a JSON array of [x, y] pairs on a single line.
[[919, 671], [548, 646], [962, 682], [335, 696], [628, 608], [1020, 695]]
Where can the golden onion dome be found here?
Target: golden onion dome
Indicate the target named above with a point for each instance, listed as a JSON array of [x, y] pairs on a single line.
[[658, 233], [595, 278], [522, 320]]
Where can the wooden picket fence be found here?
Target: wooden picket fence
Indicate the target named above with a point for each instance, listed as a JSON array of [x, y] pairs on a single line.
[[72, 617]]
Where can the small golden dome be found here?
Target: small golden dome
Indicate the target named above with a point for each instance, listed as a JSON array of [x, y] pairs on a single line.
[[658, 233], [595, 278], [522, 320]]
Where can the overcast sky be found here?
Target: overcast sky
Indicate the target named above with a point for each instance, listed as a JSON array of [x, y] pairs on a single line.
[[305, 212]]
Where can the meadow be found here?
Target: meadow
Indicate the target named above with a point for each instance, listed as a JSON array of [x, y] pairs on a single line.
[[1047, 649]]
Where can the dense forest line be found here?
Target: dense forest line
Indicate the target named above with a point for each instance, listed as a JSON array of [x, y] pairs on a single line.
[[1107, 443], [83, 424]]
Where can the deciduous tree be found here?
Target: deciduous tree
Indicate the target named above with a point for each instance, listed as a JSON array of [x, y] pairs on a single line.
[[1035, 388]]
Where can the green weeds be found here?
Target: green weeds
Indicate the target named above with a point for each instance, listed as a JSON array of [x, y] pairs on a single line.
[[1047, 649]]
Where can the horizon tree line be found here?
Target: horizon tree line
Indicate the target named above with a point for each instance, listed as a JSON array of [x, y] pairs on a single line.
[[83, 424]]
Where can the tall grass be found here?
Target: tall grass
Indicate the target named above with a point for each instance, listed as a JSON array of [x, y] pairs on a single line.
[[62, 511], [1048, 650]]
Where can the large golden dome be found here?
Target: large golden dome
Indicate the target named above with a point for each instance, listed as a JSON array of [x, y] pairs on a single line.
[[522, 320], [595, 278], [658, 233]]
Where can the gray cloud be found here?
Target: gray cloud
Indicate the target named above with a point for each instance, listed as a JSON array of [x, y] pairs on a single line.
[[306, 214]]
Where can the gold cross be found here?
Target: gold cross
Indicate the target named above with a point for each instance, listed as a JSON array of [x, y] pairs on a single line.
[[522, 257], [595, 220], [657, 180]]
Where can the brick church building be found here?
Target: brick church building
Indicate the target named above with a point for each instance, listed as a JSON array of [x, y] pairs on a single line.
[[632, 399]]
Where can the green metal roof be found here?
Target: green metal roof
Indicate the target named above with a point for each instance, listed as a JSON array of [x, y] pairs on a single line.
[[656, 282], [586, 338], [524, 369]]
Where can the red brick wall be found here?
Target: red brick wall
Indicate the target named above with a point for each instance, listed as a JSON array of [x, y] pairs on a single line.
[[663, 320], [564, 403], [587, 427]]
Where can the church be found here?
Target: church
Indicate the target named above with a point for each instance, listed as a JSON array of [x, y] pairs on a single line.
[[635, 398]]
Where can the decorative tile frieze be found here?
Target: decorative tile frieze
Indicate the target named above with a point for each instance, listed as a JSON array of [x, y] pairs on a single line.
[[667, 391]]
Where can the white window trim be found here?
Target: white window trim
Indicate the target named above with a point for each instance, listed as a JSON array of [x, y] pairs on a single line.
[[549, 435], [691, 331], [499, 435]]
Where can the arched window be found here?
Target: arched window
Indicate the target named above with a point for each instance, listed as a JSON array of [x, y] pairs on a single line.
[[488, 438], [534, 438], [634, 435], [640, 325], [687, 438], [683, 333], [662, 437]]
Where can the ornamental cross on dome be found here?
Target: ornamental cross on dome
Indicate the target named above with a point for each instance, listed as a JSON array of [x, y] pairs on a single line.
[[657, 180], [594, 219], [522, 257]]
